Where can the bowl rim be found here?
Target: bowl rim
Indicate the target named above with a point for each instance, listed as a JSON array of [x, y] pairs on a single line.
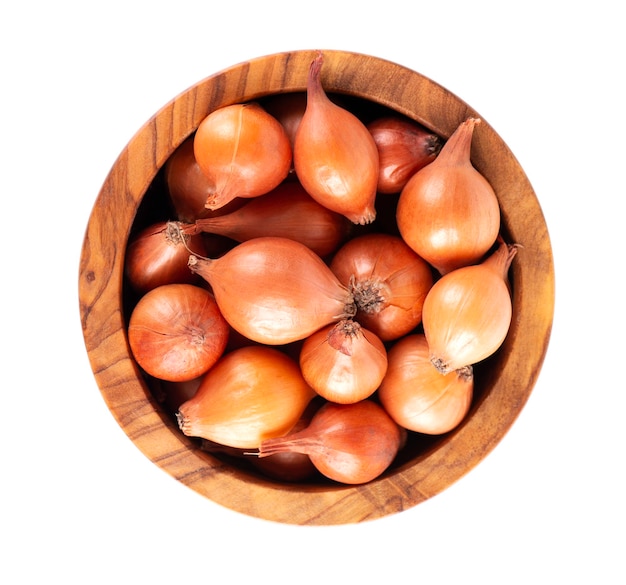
[[130, 400]]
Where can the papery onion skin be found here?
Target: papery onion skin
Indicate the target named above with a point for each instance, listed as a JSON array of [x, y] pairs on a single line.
[[176, 332], [335, 156], [388, 281], [348, 443], [343, 362], [287, 211], [467, 313], [251, 394], [158, 255], [448, 212], [243, 150], [274, 290], [404, 147], [419, 397]]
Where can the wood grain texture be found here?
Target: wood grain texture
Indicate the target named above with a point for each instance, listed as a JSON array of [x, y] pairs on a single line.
[[506, 385]]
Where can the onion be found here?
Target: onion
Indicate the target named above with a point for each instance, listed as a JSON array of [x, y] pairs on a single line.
[[448, 212], [176, 332], [388, 281], [467, 313], [188, 187], [344, 362], [348, 443], [244, 152], [335, 156], [419, 397], [287, 211], [158, 255], [251, 394], [404, 147], [274, 290]]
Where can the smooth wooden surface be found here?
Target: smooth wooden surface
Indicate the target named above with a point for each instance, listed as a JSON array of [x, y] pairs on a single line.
[[506, 385]]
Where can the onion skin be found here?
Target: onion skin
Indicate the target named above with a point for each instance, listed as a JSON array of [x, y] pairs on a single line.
[[343, 362], [448, 212], [404, 147], [158, 255], [176, 332], [335, 156], [251, 394], [467, 313], [417, 396], [243, 151], [347, 443], [274, 290], [287, 211], [388, 281]]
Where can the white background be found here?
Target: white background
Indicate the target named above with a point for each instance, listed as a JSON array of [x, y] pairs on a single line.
[[80, 504]]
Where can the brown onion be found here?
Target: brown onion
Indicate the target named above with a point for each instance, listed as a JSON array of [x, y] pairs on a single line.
[[404, 147], [344, 362], [244, 152], [467, 313], [274, 290], [419, 397], [287, 211], [388, 281], [335, 156], [448, 212], [188, 187], [251, 394], [176, 332], [348, 443], [158, 255]]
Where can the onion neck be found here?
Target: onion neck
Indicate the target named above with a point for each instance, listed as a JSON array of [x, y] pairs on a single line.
[[501, 259], [456, 151]]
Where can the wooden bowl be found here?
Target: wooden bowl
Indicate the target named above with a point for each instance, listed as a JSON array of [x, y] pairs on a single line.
[[503, 383]]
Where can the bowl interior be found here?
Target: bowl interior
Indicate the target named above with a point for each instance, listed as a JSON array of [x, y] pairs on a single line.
[[133, 195]]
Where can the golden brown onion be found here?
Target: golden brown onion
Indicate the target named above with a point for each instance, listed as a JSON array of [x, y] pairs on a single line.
[[467, 313], [448, 212], [251, 394], [419, 397], [243, 151], [335, 156], [274, 290]]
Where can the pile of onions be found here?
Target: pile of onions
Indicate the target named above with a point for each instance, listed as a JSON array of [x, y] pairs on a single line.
[[286, 324]]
